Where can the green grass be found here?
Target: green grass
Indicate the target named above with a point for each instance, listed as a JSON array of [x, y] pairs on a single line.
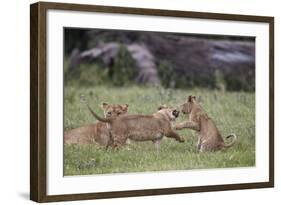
[[233, 112]]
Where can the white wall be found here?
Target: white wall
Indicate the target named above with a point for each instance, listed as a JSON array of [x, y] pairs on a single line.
[[14, 107]]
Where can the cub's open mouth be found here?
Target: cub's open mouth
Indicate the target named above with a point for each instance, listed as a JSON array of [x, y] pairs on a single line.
[[176, 113]]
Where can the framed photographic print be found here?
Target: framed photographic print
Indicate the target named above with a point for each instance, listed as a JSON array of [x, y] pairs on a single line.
[[135, 102]]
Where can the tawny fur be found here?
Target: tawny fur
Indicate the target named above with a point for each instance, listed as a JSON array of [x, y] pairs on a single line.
[[209, 138], [141, 127], [97, 132]]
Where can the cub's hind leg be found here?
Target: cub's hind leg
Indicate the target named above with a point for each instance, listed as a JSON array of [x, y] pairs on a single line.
[[118, 141], [199, 144]]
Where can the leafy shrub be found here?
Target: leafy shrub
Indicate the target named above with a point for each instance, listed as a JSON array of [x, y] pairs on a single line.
[[167, 74], [171, 79], [238, 84], [123, 71], [219, 80]]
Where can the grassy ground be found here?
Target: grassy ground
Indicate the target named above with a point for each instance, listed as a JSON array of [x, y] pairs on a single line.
[[233, 112]]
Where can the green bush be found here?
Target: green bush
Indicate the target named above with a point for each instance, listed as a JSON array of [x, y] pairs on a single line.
[[167, 74], [238, 84], [123, 71], [219, 80], [87, 75], [171, 79]]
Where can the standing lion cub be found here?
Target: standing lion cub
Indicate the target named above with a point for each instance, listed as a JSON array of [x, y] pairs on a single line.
[[209, 138], [96, 132], [141, 127]]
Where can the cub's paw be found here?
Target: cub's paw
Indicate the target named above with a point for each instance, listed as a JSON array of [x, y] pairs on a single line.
[[181, 139]]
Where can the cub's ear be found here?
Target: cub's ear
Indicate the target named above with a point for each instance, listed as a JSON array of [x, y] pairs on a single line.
[[191, 98], [104, 105], [162, 107], [125, 107]]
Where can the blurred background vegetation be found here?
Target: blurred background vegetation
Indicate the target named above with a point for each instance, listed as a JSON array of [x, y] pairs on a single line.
[[123, 58]]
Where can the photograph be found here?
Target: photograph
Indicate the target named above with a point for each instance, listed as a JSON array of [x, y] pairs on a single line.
[[146, 101]]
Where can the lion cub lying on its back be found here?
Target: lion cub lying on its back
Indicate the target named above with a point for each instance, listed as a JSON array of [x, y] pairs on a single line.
[[141, 127], [209, 138], [96, 132]]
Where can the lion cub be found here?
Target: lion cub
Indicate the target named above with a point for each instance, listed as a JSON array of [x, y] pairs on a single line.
[[96, 132], [141, 127], [209, 138]]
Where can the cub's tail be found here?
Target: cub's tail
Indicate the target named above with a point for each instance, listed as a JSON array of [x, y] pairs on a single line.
[[233, 140], [102, 119]]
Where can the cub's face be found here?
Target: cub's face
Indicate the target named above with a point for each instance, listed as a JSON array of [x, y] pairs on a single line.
[[170, 112], [187, 106], [111, 110]]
